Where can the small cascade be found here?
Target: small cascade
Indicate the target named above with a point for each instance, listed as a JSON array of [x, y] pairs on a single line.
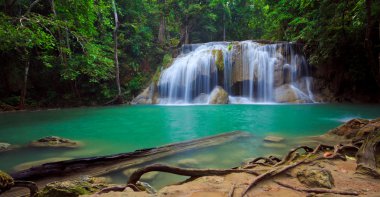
[[248, 71]]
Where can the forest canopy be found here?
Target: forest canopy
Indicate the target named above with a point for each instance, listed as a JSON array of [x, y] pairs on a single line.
[[62, 52]]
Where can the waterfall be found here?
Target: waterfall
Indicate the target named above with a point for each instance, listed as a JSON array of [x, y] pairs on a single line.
[[248, 71]]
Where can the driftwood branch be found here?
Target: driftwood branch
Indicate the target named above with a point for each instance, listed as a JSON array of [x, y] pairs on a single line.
[[135, 176], [317, 191]]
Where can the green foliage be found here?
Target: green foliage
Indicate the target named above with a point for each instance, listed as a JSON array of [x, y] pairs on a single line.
[[70, 46]]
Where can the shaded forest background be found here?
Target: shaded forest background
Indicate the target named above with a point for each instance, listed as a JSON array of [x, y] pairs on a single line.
[[60, 53]]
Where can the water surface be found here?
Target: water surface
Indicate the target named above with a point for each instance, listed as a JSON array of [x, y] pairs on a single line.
[[109, 130]]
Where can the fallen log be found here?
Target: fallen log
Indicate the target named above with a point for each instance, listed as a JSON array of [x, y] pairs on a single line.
[[97, 166]]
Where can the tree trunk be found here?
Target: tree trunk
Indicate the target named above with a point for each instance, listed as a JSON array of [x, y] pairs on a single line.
[[119, 97], [60, 37], [24, 87], [186, 34], [224, 26], [369, 45], [161, 31]]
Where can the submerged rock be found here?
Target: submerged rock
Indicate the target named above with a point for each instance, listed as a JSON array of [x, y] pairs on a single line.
[[316, 177], [149, 176], [54, 141], [129, 171], [218, 96], [188, 163], [6, 181], [271, 138], [143, 186], [4, 146], [274, 145]]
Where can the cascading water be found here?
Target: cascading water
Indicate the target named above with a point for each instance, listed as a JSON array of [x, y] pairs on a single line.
[[248, 71]]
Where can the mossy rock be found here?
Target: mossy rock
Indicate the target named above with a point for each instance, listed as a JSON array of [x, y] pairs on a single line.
[[68, 189], [316, 177], [54, 141], [219, 59], [6, 181]]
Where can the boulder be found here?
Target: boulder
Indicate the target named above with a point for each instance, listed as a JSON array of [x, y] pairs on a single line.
[[285, 94], [218, 96], [290, 94], [74, 188], [350, 129], [316, 177], [4, 146], [6, 181], [275, 139], [54, 141]]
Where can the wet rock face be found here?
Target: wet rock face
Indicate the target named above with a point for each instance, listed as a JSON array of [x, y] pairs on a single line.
[[54, 141], [148, 96], [316, 177], [218, 96]]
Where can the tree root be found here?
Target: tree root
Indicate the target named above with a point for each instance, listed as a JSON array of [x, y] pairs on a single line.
[[266, 161], [118, 189], [135, 176], [292, 159], [231, 193], [276, 171], [290, 156], [318, 191], [28, 184]]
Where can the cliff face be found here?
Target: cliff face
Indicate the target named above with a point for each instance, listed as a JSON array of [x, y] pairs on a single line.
[[336, 84]]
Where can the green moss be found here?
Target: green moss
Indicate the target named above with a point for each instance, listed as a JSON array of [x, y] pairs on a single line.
[[6, 181], [219, 59], [156, 75], [230, 46], [67, 189], [167, 60]]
